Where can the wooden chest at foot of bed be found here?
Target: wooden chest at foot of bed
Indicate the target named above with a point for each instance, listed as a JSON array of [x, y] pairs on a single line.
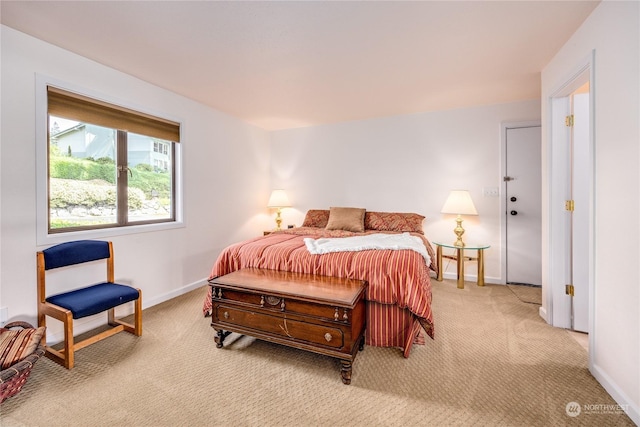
[[322, 314]]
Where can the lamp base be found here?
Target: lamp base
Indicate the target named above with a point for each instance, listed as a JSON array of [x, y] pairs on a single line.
[[459, 231], [278, 220]]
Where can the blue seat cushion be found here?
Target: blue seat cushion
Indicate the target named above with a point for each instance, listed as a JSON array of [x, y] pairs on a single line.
[[94, 299]]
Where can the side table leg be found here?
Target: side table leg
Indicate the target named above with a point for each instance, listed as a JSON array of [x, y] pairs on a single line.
[[439, 262], [460, 264], [480, 267], [346, 371]]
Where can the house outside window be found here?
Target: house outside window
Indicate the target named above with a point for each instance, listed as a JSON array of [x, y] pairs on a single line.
[[160, 147], [107, 166]]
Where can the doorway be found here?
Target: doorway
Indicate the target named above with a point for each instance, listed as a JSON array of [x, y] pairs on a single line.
[[571, 204], [522, 193]]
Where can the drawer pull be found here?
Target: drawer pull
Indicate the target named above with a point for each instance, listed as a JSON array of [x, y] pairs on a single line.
[[226, 314], [328, 337], [273, 300]]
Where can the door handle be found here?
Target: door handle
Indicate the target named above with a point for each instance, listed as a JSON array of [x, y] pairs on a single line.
[[125, 169], [514, 212]]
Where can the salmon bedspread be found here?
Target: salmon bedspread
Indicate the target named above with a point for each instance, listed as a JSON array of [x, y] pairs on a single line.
[[399, 292]]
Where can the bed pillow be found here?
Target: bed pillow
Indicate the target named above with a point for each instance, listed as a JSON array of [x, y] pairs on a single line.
[[15, 345], [349, 219], [394, 221], [316, 218]]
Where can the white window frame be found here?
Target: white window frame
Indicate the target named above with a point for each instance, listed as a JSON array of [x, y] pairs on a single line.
[[43, 237]]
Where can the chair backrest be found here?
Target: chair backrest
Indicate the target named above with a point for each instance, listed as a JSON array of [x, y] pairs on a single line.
[[71, 253], [77, 252]]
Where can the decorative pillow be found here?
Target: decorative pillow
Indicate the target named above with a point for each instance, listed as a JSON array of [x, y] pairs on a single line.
[[316, 218], [349, 219], [394, 221], [15, 345]]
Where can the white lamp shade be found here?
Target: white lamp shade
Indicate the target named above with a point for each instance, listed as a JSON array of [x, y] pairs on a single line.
[[278, 199], [459, 203]]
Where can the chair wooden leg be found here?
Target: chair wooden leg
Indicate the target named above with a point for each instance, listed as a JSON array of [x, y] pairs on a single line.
[[68, 342], [138, 315], [42, 321]]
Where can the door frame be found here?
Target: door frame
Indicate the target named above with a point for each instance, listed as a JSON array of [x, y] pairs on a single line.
[[503, 189], [558, 306]]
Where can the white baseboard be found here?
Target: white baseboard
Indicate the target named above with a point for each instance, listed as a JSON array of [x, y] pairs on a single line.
[[175, 293], [543, 313], [621, 398], [55, 332]]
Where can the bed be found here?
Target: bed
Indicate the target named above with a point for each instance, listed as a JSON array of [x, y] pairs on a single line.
[[399, 292]]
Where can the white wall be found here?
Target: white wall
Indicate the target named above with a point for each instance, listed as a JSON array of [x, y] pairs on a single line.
[[404, 163], [225, 168], [613, 31]]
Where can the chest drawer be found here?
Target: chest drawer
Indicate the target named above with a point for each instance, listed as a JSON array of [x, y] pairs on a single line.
[[285, 305], [325, 335]]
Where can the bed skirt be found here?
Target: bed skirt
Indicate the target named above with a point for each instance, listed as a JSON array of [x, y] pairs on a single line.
[[391, 326]]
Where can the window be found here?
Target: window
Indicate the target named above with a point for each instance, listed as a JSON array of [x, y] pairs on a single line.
[[160, 147], [108, 166]]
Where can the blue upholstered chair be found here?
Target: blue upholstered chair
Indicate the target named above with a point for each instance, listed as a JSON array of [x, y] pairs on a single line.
[[83, 301]]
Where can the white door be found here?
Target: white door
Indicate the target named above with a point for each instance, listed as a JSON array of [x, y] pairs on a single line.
[[523, 216], [571, 177], [580, 216]]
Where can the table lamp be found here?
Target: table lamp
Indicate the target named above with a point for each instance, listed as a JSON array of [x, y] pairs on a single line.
[[278, 200], [459, 203]]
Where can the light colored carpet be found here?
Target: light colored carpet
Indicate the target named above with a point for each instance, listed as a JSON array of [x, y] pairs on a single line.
[[528, 294], [493, 362]]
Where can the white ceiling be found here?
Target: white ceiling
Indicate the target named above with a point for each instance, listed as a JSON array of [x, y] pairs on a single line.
[[290, 64]]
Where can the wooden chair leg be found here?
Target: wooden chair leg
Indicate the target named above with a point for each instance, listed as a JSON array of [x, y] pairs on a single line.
[[111, 317], [42, 321], [68, 342], [138, 315]]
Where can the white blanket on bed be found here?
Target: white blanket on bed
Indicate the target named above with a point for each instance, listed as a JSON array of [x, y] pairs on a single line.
[[368, 242]]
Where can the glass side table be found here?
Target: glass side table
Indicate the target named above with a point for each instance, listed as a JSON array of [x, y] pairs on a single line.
[[460, 258]]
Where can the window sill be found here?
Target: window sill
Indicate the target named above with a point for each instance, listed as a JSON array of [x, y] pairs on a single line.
[[45, 239]]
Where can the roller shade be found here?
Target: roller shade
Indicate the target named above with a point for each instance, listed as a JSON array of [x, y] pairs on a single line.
[[72, 106]]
